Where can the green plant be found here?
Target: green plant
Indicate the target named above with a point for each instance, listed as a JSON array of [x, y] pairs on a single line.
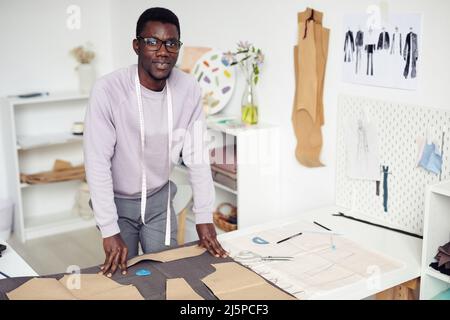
[[249, 59]]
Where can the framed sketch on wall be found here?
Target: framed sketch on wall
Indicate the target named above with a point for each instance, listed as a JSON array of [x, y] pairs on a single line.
[[385, 54]]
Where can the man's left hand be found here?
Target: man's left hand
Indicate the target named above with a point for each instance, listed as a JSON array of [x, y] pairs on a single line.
[[208, 239]]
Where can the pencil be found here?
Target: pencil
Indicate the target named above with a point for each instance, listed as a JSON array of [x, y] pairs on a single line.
[[290, 237], [321, 226]]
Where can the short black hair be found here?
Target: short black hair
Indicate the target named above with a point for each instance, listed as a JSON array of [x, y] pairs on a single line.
[[157, 14]]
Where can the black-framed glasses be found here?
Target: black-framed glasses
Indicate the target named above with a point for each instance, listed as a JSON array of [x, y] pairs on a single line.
[[154, 44]]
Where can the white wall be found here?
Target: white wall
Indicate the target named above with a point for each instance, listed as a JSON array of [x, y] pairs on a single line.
[[35, 45], [270, 25]]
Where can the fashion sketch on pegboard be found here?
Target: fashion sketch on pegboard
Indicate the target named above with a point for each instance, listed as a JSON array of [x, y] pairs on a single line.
[[410, 54], [362, 149], [362, 152], [349, 46]]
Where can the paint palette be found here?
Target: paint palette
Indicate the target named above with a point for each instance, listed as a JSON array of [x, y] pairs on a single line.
[[217, 80]]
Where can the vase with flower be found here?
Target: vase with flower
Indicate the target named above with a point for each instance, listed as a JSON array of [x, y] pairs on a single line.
[[249, 58], [85, 69]]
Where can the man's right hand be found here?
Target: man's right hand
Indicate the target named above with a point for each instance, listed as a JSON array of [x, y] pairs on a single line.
[[116, 253]]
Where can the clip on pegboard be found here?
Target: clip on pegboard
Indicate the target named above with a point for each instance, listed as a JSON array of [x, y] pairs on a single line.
[[385, 171]]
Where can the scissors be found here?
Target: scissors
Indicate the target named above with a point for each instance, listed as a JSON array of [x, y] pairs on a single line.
[[249, 256]]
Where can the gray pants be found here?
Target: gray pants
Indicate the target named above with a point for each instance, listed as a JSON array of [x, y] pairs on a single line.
[[151, 235]]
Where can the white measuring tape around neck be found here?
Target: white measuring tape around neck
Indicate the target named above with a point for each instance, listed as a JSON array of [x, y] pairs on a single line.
[[143, 170]]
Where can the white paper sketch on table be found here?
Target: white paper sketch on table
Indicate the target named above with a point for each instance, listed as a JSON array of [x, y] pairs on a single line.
[[362, 150], [251, 257], [317, 268]]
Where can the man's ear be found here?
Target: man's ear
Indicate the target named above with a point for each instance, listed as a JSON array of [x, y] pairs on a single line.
[[136, 46]]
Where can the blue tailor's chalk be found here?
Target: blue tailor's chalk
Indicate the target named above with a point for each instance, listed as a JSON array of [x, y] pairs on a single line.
[[143, 272], [259, 240]]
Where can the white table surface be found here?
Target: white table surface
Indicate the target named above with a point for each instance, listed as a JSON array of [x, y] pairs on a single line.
[[13, 265], [406, 249]]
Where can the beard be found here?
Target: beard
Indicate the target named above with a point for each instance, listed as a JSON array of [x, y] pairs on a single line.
[[154, 72], [159, 77]]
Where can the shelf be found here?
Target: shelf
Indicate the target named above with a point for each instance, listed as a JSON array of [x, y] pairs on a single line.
[[52, 97], [438, 275], [183, 169], [442, 189], [50, 224], [232, 125], [24, 185], [221, 186], [38, 141]]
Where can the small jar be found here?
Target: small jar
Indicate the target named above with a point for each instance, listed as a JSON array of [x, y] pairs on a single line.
[[78, 128]]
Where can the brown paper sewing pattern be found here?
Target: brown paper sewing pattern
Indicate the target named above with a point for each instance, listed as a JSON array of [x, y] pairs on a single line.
[[75, 287], [168, 255], [179, 289], [232, 281]]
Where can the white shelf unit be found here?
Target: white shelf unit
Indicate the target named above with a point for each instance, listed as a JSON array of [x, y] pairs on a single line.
[[436, 233], [257, 196], [36, 132]]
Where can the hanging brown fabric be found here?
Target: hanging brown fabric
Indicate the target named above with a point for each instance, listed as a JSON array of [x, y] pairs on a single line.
[[306, 23], [309, 61]]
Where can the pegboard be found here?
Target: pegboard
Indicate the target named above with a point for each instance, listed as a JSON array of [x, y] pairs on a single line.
[[398, 125]]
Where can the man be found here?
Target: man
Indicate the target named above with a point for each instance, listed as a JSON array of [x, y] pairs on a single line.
[[134, 116]]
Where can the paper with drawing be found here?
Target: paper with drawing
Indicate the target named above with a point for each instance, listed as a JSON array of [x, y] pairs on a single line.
[[322, 260]]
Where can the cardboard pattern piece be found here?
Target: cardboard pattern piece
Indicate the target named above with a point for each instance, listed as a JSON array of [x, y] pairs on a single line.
[[310, 57], [179, 289], [232, 281], [169, 255], [40, 289], [89, 287]]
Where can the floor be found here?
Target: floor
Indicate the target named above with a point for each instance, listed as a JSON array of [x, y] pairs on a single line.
[[54, 254]]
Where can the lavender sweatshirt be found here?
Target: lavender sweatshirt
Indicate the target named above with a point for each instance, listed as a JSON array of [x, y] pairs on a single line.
[[112, 149]]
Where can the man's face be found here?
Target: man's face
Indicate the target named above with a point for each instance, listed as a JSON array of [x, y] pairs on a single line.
[[158, 64]]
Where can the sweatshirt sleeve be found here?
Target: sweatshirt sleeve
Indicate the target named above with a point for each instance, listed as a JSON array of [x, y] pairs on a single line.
[[98, 144], [195, 155]]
